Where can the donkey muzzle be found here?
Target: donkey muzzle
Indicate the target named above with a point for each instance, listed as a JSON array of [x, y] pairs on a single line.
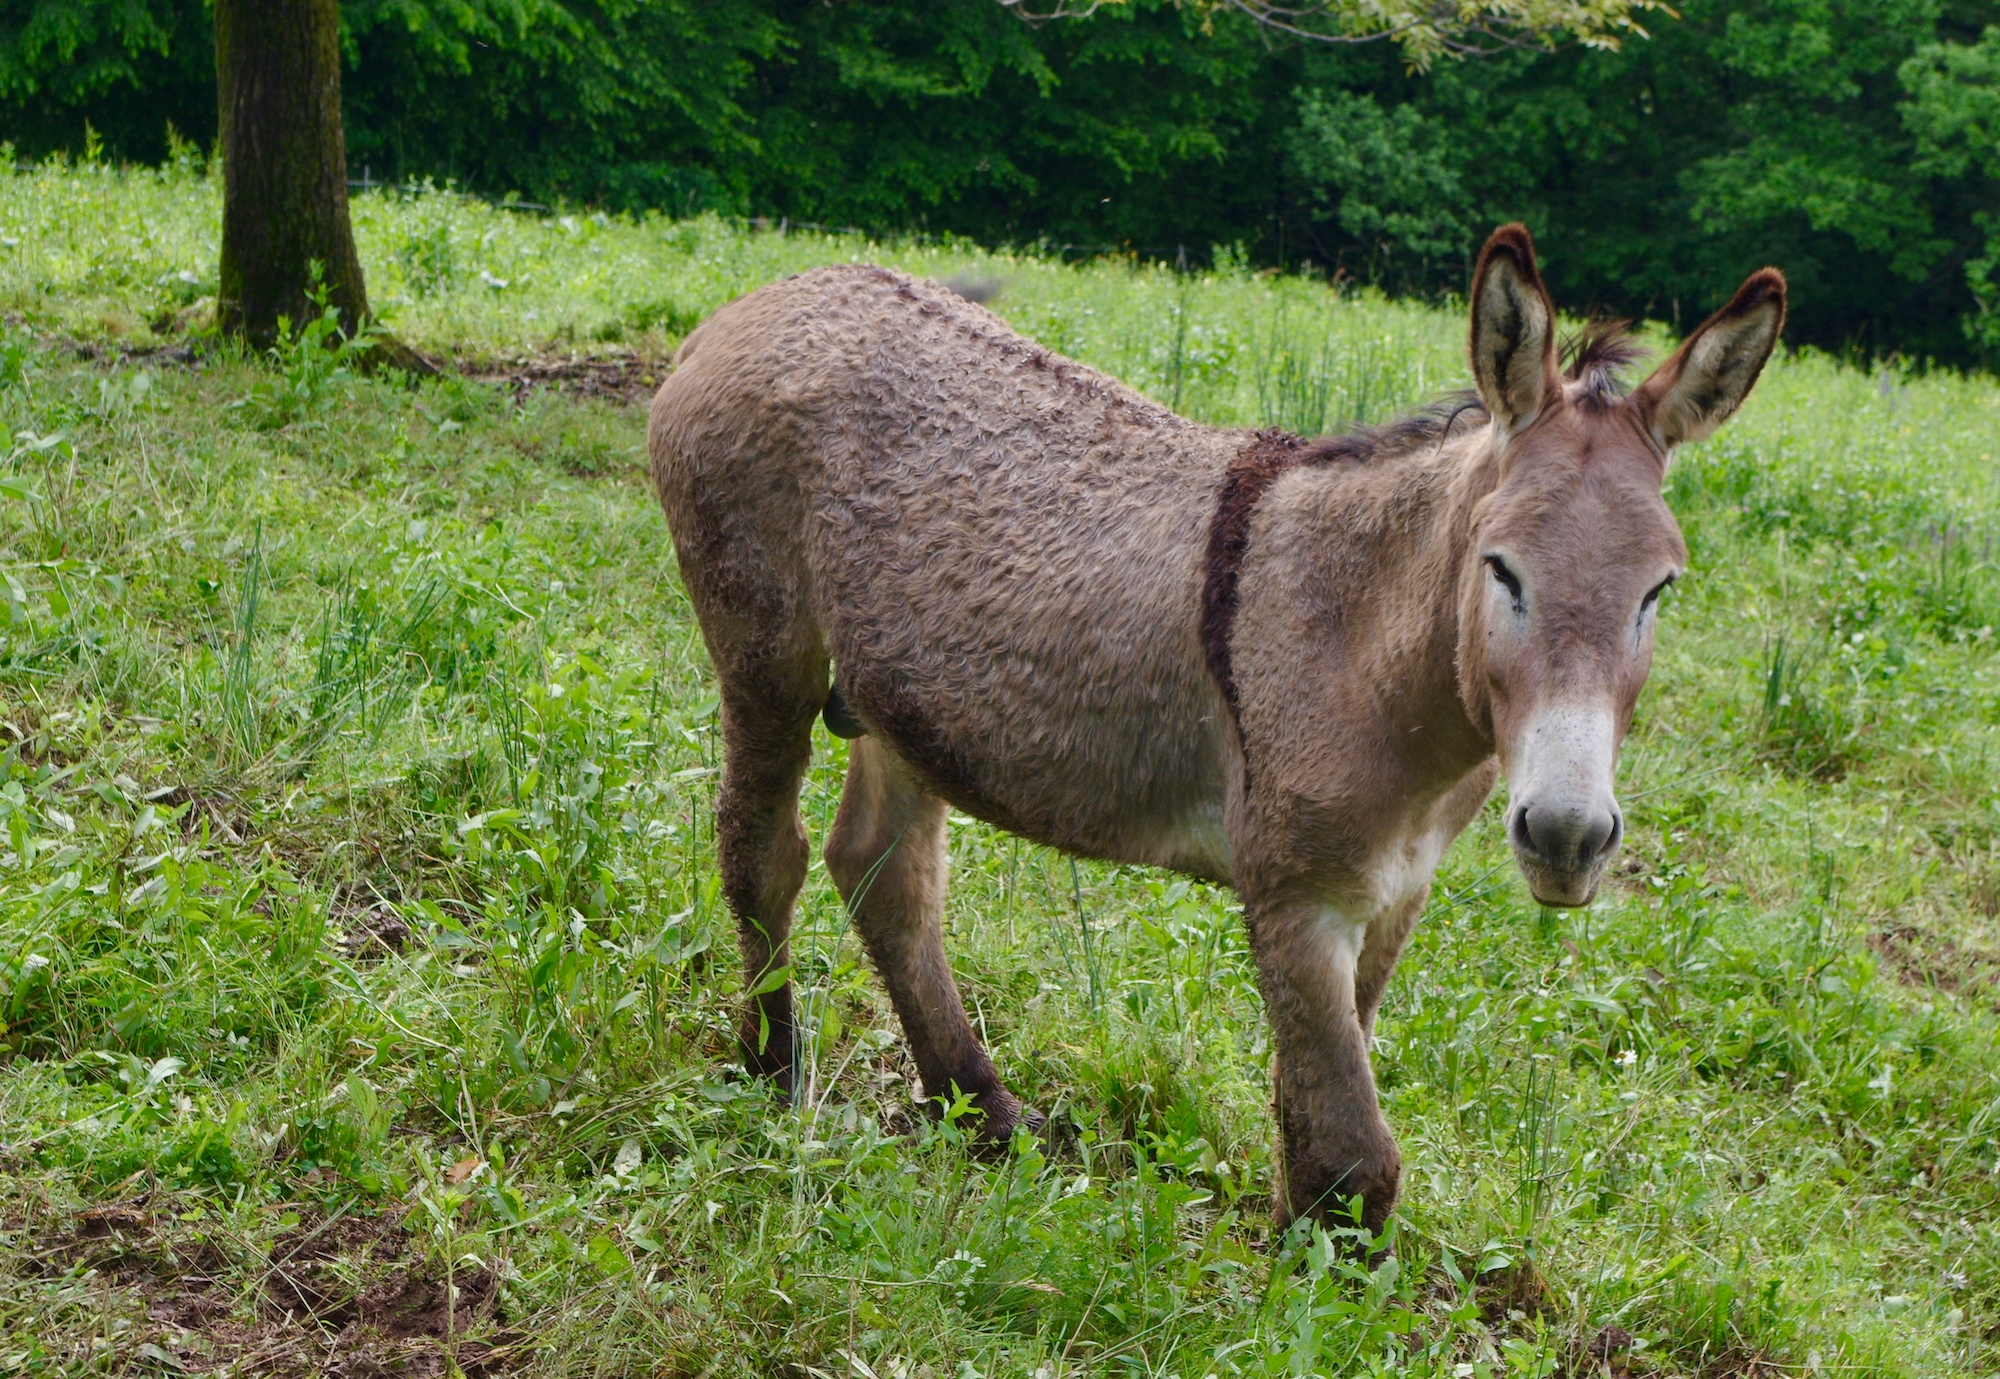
[[1561, 816], [1563, 849]]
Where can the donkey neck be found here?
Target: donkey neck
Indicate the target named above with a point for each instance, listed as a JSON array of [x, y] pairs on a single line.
[[1371, 548]]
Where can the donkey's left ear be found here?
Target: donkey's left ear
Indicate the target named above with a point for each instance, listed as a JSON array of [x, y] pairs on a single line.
[[1707, 378]]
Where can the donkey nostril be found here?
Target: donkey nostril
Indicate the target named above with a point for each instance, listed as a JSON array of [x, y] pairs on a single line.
[[1617, 831], [1518, 832], [1597, 837], [1568, 840], [1548, 836]]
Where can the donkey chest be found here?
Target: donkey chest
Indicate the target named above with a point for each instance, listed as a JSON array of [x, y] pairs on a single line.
[[1401, 871], [1400, 861]]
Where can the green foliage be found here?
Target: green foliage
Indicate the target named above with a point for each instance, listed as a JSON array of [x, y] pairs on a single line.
[[314, 364], [66, 50], [1847, 141], [357, 888], [1954, 101], [65, 62], [1389, 178], [1427, 32]]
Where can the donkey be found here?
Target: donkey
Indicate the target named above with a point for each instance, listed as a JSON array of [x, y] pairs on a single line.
[[1294, 667]]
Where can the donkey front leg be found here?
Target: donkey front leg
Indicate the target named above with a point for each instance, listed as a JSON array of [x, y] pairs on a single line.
[[1333, 1141], [887, 854], [1384, 944]]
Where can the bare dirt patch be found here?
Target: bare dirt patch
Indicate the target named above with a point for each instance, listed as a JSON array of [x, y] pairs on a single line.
[[619, 377], [351, 1281], [335, 1295], [117, 352], [625, 376], [368, 925], [1923, 957]]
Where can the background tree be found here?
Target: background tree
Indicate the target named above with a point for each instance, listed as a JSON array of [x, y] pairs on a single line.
[[1849, 140], [1425, 30], [284, 167], [130, 68]]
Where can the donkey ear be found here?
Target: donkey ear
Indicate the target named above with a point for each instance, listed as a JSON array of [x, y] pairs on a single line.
[[1707, 378], [1513, 331]]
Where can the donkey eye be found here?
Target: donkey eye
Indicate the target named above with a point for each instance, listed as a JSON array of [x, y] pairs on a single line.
[[1653, 595], [1506, 577]]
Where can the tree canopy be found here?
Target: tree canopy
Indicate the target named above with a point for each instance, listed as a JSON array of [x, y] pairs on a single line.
[[1425, 29], [1854, 142]]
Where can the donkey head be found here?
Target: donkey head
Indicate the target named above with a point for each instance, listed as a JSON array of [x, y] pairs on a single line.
[[1573, 547]]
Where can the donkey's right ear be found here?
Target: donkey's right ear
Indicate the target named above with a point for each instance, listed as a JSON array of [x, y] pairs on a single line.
[[1513, 332], [1707, 378]]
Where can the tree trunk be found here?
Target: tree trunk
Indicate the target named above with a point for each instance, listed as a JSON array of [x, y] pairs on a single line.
[[284, 167]]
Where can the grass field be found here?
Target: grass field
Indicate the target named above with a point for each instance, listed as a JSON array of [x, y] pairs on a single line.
[[367, 999]]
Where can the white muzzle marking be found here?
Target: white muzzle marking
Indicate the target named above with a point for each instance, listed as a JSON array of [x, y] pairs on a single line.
[[1562, 817]]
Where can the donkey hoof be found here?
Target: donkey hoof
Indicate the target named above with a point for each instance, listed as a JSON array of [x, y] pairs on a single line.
[[762, 1066], [996, 1135], [1000, 1113]]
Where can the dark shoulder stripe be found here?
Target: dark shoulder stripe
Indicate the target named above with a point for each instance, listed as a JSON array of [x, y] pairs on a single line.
[[1267, 455], [1253, 471]]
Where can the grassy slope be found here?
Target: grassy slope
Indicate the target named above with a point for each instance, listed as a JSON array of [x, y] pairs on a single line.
[[296, 661]]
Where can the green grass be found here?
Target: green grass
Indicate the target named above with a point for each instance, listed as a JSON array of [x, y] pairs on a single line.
[[359, 931]]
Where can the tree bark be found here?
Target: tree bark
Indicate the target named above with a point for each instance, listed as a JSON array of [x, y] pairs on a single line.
[[284, 167]]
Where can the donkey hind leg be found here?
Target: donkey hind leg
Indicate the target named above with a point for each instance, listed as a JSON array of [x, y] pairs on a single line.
[[1333, 1142], [761, 848], [887, 854]]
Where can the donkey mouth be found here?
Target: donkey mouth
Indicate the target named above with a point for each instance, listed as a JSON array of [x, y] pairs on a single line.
[[1559, 890]]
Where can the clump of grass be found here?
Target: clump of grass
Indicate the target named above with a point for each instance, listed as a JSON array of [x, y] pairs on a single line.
[[314, 364], [1804, 724]]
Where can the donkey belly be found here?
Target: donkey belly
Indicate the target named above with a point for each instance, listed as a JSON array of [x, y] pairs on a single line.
[[1035, 656], [1124, 782]]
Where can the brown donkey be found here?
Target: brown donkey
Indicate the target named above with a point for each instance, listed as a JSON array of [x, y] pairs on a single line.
[[1295, 667]]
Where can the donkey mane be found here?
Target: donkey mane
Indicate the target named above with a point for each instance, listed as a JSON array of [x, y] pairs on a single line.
[[1597, 357]]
